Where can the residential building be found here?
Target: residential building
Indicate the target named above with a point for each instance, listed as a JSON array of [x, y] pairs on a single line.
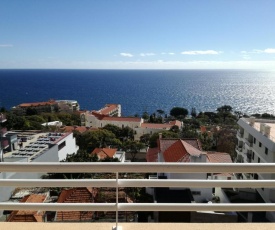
[[68, 106], [111, 114], [103, 153], [35, 107], [46, 107], [42, 147], [256, 144], [185, 151]]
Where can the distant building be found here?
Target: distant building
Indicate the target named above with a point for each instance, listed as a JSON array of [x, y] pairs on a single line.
[[46, 107], [68, 105], [103, 153], [256, 144], [111, 114], [35, 107]]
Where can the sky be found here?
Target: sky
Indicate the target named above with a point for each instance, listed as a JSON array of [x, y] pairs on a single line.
[[137, 34]]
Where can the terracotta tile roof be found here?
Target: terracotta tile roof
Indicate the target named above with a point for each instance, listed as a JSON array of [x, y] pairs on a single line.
[[156, 126], [152, 155], [108, 108], [102, 153], [80, 129], [76, 195], [175, 150], [28, 215], [128, 119], [218, 157], [51, 102], [161, 126], [164, 143]]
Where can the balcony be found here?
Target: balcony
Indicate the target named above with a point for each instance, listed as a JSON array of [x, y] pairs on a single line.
[[240, 134], [117, 168], [249, 156], [249, 142], [239, 149]]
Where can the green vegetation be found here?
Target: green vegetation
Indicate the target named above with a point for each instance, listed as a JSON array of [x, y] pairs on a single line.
[[34, 121], [178, 112]]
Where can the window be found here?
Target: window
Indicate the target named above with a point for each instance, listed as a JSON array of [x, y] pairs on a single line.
[[259, 160], [62, 145], [253, 155], [256, 176], [266, 150], [260, 144], [254, 140]]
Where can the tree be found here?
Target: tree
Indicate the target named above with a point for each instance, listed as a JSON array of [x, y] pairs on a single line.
[[114, 129], [145, 138], [193, 112], [101, 138], [165, 134], [31, 111], [145, 115], [206, 141], [132, 147], [178, 111], [225, 109]]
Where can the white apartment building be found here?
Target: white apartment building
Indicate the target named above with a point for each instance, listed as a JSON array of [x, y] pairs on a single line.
[[42, 147], [256, 144]]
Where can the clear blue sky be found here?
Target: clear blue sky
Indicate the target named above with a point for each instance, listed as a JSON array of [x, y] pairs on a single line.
[[142, 34]]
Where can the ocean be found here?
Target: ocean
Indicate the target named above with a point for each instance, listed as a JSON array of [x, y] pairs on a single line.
[[143, 90]]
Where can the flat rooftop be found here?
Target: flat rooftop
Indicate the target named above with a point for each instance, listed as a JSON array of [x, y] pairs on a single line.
[[35, 145], [270, 123]]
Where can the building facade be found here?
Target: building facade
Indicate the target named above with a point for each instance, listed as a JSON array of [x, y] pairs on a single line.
[[256, 144], [111, 114]]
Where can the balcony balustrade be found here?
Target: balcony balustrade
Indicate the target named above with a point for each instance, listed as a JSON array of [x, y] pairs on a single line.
[[135, 168], [240, 134], [249, 142]]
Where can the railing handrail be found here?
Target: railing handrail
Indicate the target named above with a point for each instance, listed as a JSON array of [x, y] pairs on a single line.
[[111, 167], [118, 168], [132, 183]]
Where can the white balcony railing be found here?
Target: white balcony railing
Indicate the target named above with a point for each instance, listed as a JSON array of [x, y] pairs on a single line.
[[137, 167]]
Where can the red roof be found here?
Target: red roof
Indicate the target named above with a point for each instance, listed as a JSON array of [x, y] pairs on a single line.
[[155, 126], [152, 154], [108, 108], [175, 150], [28, 215], [51, 102], [129, 119], [218, 157], [80, 129], [76, 195], [102, 153]]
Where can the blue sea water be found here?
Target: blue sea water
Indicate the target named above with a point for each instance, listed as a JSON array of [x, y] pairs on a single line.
[[143, 90]]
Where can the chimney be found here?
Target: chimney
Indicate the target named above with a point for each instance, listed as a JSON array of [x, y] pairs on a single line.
[[252, 121], [267, 130], [160, 135]]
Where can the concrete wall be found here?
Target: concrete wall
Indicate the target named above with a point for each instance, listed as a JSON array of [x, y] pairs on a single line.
[[69, 148]]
